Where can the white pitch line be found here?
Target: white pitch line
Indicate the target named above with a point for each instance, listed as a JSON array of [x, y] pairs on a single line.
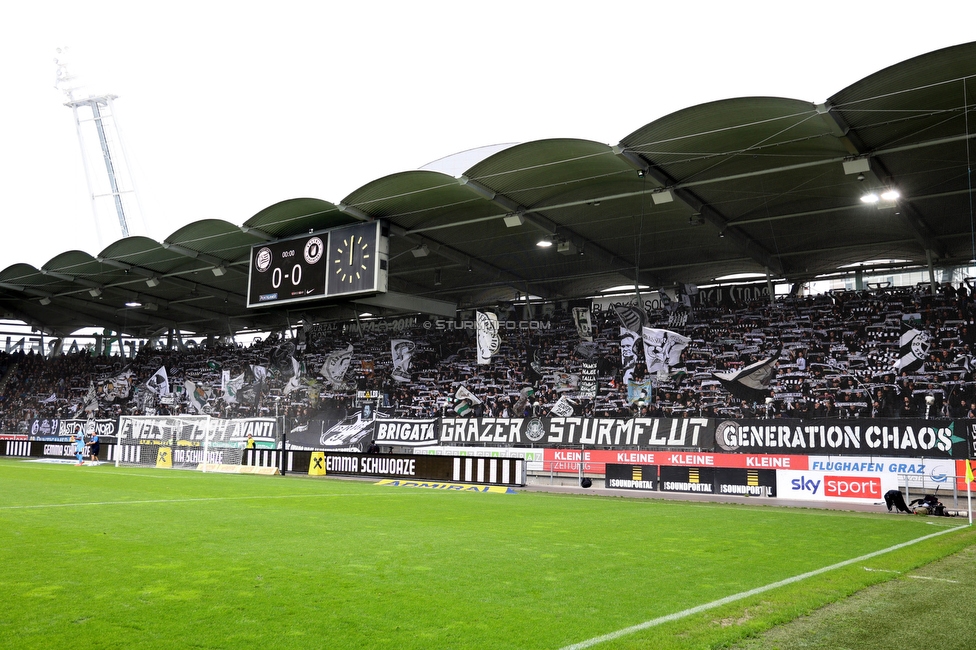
[[745, 594], [931, 578], [146, 501], [911, 576]]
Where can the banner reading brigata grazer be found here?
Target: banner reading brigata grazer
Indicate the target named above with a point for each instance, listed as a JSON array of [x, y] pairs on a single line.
[[874, 437], [405, 433]]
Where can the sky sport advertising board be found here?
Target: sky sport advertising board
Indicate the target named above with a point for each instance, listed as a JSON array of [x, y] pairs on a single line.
[[866, 479]]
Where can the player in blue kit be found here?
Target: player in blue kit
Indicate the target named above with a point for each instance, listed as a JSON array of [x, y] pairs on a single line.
[[79, 449]]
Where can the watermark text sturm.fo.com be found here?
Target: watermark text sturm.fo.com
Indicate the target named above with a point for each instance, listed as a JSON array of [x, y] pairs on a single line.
[[442, 324]]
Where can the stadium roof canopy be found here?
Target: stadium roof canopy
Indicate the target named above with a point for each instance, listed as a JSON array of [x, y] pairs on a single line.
[[756, 184]]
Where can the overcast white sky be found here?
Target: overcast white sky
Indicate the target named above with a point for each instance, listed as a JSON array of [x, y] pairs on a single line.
[[227, 108]]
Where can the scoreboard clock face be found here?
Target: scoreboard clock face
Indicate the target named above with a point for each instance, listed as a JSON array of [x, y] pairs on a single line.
[[340, 262], [287, 271], [353, 258]]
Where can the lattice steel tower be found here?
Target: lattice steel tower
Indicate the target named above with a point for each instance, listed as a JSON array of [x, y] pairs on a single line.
[[110, 183]]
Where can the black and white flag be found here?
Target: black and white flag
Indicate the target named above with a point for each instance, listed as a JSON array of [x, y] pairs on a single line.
[[335, 367], [913, 349], [402, 351], [584, 326], [662, 349], [489, 342], [563, 408], [90, 403], [631, 317], [752, 382], [630, 350], [159, 383], [532, 371]]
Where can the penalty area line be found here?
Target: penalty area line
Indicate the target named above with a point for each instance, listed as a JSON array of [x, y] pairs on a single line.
[[589, 643]]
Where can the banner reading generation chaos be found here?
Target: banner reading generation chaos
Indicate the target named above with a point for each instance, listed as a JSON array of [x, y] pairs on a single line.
[[879, 437], [868, 437]]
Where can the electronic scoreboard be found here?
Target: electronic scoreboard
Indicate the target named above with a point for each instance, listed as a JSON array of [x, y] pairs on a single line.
[[341, 262]]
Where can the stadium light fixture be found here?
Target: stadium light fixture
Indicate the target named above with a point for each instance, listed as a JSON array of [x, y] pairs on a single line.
[[888, 196], [153, 281], [514, 220], [95, 292], [219, 270], [545, 242], [45, 301], [133, 303], [664, 196], [857, 166], [421, 251]]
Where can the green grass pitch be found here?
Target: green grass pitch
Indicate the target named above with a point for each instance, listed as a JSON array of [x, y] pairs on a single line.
[[105, 557]]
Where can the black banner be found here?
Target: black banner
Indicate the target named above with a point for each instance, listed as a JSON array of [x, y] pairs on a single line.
[[631, 477], [699, 480], [61, 430], [406, 433], [388, 466], [589, 384], [685, 433], [745, 482], [857, 437]]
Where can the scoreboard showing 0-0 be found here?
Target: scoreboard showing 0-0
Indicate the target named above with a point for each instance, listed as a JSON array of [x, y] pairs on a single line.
[[341, 262]]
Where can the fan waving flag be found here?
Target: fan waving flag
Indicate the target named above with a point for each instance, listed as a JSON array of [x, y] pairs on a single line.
[[195, 395], [584, 325], [232, 387], [464, 393], [662, 349], [631, 317], [489, 342], [159, 382], [913, 348], [335, 367], [402, 351], [563, 408], [752, 382]]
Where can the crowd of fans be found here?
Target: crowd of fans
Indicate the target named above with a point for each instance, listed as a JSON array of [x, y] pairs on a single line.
[[837, 359]]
